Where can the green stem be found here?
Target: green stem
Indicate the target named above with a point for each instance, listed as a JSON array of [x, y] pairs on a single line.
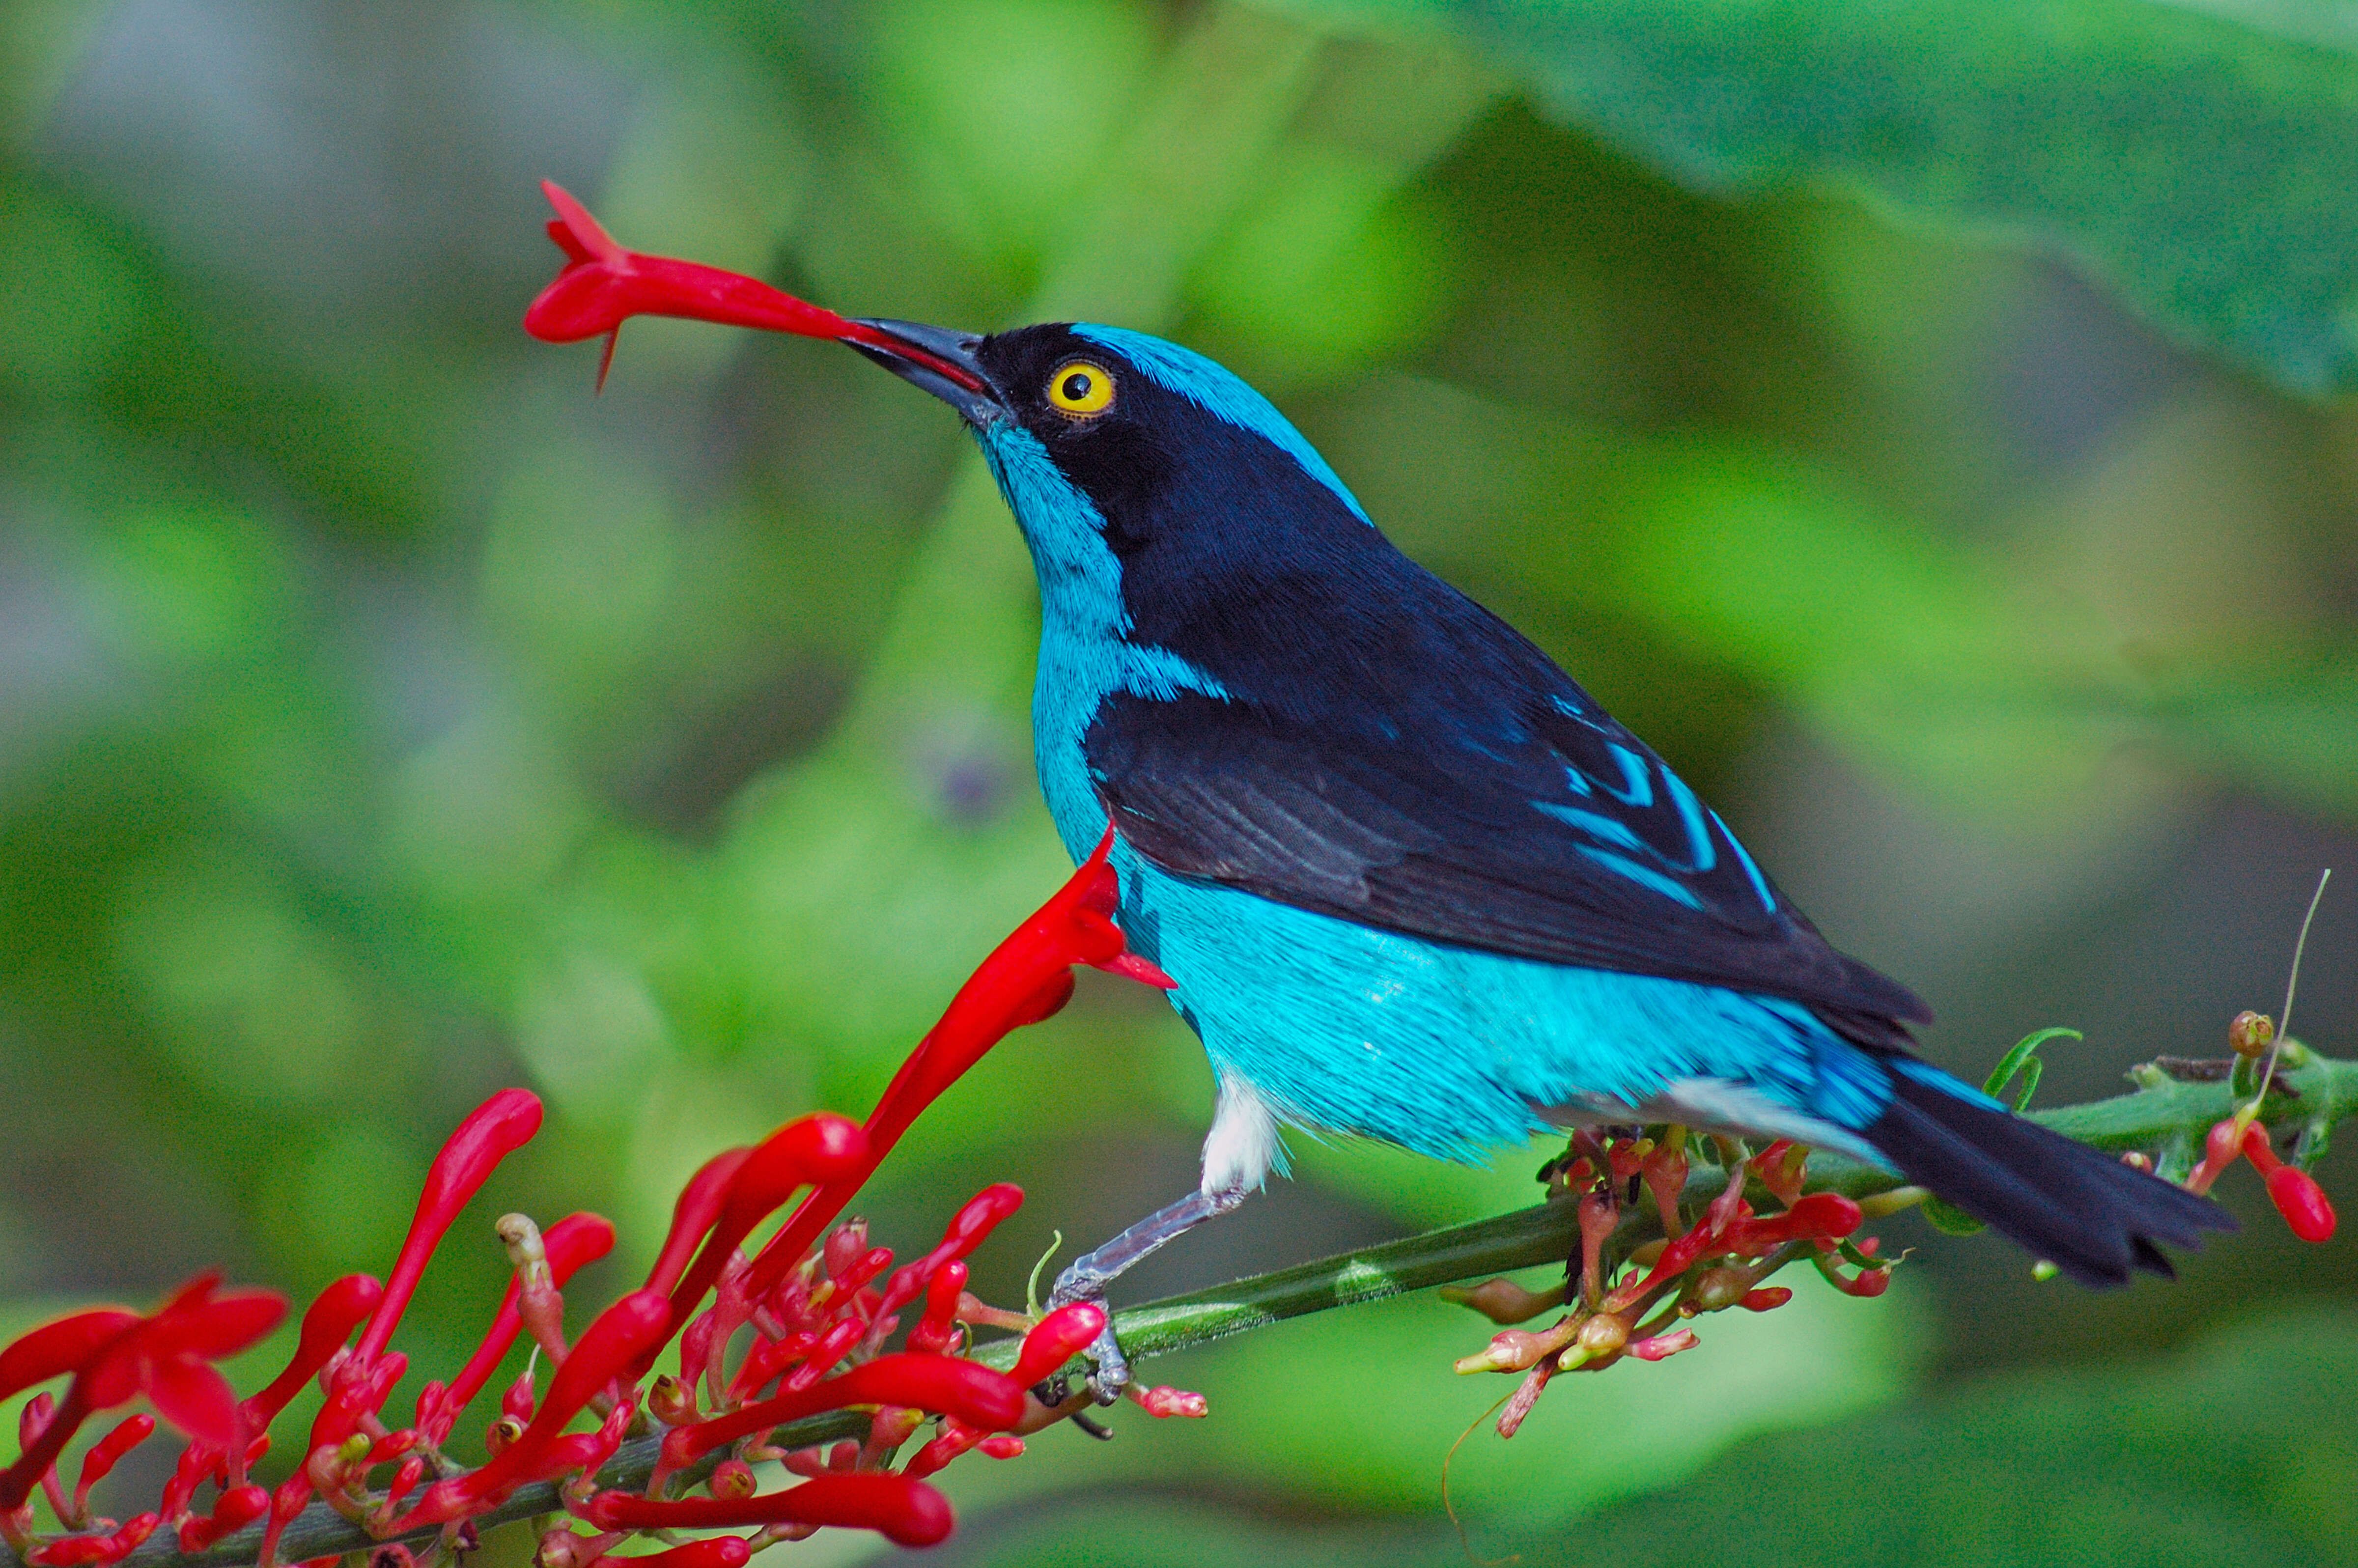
[[2157, 1112]]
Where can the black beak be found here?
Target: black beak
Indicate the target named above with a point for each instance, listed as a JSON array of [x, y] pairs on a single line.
[[940, 361]]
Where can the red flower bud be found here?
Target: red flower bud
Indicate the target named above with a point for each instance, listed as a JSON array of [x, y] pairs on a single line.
[[941, 1384], [103, 1455], [2302, 1203], [2221, 1145], [1819, 1216], [634, 1326], [79, 1551], [493, 1131], [720, 1552], [2294, 1191], [1767, 1300], [692, 1216], [328, 1322], [237, 1508], [812, 1151], [1054, 1340], [908, 1513], [938, 1330]]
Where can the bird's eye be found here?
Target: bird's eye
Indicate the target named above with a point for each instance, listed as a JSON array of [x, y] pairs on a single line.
[[1081, 389]]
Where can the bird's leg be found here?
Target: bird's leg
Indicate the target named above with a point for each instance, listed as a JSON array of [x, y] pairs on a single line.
[[1089, 1274]]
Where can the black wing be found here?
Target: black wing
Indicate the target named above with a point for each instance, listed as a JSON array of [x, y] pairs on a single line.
[[1540, 829]]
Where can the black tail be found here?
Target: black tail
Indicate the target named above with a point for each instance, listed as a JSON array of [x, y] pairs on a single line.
[[2078, 1207]]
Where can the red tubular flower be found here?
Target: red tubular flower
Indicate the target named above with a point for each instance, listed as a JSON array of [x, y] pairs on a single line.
[[938, 1330], [967, 1229], [167, 1357], [602, 285], [356, 1389], [496, 1129], [55, 1348], [632, 1327], [328, 1322], [1820, 1216], [1057, 1339], [699, 1205], [720, 1552], [238, 1506], [80, 1551], [1075, 927], [941, 1384], [2221, 1147], [571, 1243], [906, 1512], [2293, 1190], [813, 1149], [104, 1454]]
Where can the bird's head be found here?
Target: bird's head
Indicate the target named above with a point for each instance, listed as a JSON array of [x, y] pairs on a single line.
[[1165, 447]]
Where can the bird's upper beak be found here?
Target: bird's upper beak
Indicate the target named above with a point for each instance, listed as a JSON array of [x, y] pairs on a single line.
[[938, 358]]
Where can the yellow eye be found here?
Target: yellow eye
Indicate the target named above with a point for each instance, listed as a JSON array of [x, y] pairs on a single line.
[[1081, 389]]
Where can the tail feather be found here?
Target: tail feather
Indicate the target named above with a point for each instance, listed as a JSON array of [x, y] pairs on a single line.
[[2076, 1206]]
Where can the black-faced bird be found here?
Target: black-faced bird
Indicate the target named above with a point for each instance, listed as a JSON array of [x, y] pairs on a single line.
[[1413, 883]]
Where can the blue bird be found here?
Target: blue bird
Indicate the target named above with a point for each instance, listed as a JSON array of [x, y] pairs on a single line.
[[1413, 882]]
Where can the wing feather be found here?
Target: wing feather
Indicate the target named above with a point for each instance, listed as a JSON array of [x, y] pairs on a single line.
[[1551, 834]]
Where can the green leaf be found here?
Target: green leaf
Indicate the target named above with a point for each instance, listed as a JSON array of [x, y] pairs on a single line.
[[2193, 156]]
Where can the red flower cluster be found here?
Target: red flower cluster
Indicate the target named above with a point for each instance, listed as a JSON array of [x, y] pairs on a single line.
[[821, 1307], [1718, 1261]]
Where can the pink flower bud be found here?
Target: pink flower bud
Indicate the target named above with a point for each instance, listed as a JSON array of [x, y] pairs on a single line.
[[1662, 1345], [1163, 1402]]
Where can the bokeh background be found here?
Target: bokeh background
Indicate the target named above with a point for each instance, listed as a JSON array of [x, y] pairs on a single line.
[[1927, 424]]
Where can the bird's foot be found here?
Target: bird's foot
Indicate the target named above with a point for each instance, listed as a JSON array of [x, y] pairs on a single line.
[[1110, 1371]]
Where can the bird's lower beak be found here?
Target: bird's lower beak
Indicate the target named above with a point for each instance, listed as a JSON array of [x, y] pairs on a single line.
[[939, 360]]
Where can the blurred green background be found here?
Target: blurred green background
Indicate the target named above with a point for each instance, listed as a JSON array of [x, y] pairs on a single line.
[[1927, 424]]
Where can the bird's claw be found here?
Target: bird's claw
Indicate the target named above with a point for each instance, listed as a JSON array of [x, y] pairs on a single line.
[[1110, 1369]]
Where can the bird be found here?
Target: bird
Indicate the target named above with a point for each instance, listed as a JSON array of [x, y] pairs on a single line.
[[1411, 883]]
